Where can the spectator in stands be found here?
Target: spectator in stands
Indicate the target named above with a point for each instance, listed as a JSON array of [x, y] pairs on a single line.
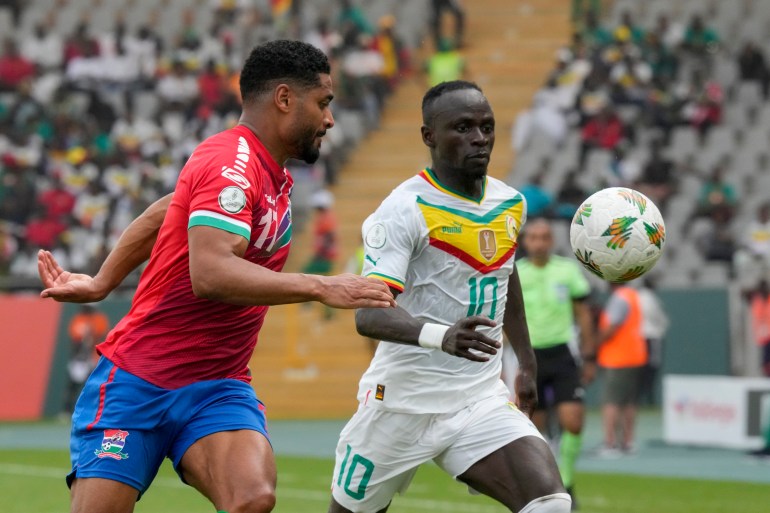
[[24, 261], [324, 37], [43, 231], [455, 8], [178, 90], [445, 65], [544, 118], [145, 48], [570, 196], [752, 260], [630, 78], [628, 31], [603, 131], [671, 34], [539, 200], [394, 56], [92, 206], [753, 66], [14, 67], [593, 34], [43, 47], [80, 44], [57, 201], [661, 59], [716, 194], [701, 41], [658, 181], [353, 18], [717, 242]]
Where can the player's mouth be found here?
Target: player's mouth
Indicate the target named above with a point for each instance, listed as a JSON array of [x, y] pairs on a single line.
[[483, 155]]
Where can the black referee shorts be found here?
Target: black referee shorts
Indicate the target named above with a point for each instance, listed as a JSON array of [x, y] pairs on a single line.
[[558, 376]]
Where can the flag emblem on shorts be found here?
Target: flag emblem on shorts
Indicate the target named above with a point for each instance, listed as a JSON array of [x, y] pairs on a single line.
[[380, 393], [112, 445]]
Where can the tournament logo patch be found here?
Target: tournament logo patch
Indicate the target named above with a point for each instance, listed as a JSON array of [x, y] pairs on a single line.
[[510, 228], [376, 236], [112, 445], [232, 199], [487, 244], [379, 394]]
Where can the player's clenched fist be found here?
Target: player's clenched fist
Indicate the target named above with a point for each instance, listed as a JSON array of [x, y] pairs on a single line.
[[462, 337], [354, 291]]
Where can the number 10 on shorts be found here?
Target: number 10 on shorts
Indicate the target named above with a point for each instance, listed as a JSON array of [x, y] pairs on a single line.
[[366, 466]]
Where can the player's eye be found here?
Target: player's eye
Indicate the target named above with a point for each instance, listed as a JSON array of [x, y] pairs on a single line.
[[462, 128], [488, 129]]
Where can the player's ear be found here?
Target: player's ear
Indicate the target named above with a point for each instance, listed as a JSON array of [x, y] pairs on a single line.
[[428, 136], [281, 96]]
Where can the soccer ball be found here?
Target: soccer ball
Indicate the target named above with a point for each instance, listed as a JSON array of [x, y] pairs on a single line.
[[617, 234]]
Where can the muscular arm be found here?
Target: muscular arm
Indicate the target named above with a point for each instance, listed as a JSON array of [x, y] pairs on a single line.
[[515, 327], [399, 326], [218, 272], [133, 248]]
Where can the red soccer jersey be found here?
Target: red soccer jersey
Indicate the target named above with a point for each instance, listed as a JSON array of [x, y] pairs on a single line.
[[170, 337]]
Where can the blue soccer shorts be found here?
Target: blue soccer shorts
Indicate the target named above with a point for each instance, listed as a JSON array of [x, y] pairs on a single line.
[[123, 426]]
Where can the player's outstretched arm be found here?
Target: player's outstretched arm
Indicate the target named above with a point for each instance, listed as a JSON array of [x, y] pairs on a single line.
[[218, 272], [397, 325], [515, 327], [133, 248]]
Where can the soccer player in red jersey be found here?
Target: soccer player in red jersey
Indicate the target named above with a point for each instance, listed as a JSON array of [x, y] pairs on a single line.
[[173, 378]]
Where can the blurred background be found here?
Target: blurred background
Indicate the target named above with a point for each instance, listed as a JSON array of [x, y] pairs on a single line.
[[102, 102]]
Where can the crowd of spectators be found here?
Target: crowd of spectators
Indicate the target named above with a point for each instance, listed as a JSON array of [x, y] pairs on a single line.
[[626, 89], [96, 126]]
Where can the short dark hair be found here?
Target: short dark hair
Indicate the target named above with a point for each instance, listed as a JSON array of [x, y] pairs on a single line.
[[281, 60], [438, 90]]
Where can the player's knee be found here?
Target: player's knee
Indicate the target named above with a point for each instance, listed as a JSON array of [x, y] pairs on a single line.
[[554, 503], [260, 500]]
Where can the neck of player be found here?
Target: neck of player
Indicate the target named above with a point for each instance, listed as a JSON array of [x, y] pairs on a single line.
[[461, 181], [267, 135]]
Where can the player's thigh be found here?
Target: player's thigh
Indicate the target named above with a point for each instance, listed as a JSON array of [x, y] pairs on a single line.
[[97, 495], [516, 474], [500, 452], [222, 448], [377, 456], [232, 469]]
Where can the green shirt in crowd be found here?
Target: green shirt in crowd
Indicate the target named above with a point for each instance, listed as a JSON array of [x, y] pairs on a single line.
[[548, 295]]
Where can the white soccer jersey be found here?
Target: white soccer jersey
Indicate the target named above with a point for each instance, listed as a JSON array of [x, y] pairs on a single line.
[[452, 257]]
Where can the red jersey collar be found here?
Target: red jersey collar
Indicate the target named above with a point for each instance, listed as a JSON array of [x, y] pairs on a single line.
[[263, 155]]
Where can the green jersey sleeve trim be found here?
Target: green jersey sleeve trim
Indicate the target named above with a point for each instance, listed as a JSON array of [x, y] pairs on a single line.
[[215, 220]]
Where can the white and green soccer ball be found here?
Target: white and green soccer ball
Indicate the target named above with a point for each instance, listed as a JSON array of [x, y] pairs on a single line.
[[617, 234]]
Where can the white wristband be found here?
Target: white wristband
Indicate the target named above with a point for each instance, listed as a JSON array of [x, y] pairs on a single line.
[[432, 335]]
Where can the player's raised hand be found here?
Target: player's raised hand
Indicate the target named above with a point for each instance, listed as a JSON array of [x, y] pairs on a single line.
[[354, 291], [63, 285], [526, 393], [462, 337]]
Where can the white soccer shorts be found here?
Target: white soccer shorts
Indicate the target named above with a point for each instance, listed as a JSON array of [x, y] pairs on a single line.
[[379, 451]]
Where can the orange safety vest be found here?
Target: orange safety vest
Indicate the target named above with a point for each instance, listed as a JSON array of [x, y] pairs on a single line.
[[626, 347], [760, 319]]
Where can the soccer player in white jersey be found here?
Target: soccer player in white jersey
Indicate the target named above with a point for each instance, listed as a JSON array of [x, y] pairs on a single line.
[[445, 241]]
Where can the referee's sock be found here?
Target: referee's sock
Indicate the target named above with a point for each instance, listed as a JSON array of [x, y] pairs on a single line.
[[569, 450]]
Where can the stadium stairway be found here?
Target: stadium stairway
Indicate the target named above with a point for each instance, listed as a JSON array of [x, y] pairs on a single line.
[[308, 367]]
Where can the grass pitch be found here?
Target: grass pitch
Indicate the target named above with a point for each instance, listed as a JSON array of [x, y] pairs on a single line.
[[32, 481]]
